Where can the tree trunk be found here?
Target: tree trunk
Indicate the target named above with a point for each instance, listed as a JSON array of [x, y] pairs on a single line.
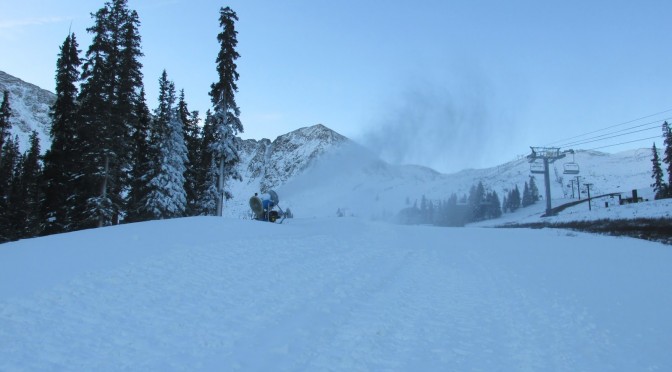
[[220, 188], [103, 191]]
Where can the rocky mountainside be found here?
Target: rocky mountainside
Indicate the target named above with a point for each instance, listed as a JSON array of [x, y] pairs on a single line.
[[267, 164], [30, 106]]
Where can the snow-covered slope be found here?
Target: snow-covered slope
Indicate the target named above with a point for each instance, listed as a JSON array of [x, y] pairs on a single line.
[[267, 165], [354, 180], [333, 294], [30, 106]]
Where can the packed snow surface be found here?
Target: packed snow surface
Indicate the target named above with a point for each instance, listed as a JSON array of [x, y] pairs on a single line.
[[333, 294]]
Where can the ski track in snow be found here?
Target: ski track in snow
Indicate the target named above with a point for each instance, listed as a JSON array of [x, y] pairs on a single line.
[[338, 294]]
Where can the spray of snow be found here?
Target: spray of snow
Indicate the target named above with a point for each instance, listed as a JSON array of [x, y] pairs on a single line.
[[341, 180], [448, 127]]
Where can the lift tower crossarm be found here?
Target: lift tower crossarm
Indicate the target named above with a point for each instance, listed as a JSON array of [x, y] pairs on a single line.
[[548, 155]]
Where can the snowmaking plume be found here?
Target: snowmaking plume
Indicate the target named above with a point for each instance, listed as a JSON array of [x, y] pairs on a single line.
[[341, 180], [431, 125]]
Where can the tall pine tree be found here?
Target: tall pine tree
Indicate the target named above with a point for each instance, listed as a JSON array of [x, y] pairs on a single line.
[[192, 138], [225, 119], [659, 185], [667, 158], [141, 157], [9, 187], [494, 208], [5, 125], [31, 189], [109, 97], [60, 161], [534, 190], [167, 197], [527, 196]]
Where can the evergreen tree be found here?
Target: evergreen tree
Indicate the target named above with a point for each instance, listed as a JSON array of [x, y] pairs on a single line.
[[514, 199], [430, 218], [534, 191], [167, 197], [209, 196], [477, 201], [203, 169], [527, 197], [9, 185], [130, 109], [5, 124], [505, 205], [225, 117], [494, 206], [90, 196], [141, 166], [108, 98], [659, 186], [667, 159], [423, 210], [60, 159], [31, 176], [192, 138]]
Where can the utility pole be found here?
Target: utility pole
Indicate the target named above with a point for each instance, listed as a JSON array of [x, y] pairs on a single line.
[[548, 155], [590, 202], [578, 185], [572, 181]]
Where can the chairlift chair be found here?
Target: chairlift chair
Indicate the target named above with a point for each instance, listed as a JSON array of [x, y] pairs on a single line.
[[571, 168], [537, 168]]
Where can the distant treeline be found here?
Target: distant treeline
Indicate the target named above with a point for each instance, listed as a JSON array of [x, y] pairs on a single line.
[[478, 205]]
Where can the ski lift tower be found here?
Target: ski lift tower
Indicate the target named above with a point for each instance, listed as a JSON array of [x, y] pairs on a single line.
[[548, 155]]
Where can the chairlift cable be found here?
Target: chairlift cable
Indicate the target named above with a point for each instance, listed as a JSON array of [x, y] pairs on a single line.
[[651, 125], [611, 126], [610, 137], [623, 143]]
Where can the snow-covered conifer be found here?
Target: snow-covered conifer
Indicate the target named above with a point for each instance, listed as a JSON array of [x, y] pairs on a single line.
[[192, 136], [60, 160], [667, 159], [534, 190], [9, 184], [167, 197], [527, 196], [225, 119], [5, 124], [659, 186]]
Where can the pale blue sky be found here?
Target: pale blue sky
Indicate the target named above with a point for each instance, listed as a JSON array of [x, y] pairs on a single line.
[[479, 80]]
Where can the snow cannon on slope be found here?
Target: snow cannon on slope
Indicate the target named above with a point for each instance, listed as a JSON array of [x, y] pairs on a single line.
[[266, 208]]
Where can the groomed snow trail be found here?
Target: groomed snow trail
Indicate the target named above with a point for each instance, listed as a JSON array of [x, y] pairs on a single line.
[[333, 294]]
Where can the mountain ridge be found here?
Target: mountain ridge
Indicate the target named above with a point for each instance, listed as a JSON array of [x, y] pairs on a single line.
[[352, 177], [30, 106]]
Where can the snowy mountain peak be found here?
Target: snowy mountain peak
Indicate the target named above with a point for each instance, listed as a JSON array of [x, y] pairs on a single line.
[[316, 132], [267, 164], [30, 106]]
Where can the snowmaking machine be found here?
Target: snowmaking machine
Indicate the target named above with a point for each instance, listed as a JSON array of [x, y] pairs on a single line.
[[266, 208]]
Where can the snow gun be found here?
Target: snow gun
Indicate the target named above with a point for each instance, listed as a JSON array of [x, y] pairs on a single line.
[[266, 208]]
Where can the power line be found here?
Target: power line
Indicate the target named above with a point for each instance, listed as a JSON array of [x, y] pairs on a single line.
[[611, 126]]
